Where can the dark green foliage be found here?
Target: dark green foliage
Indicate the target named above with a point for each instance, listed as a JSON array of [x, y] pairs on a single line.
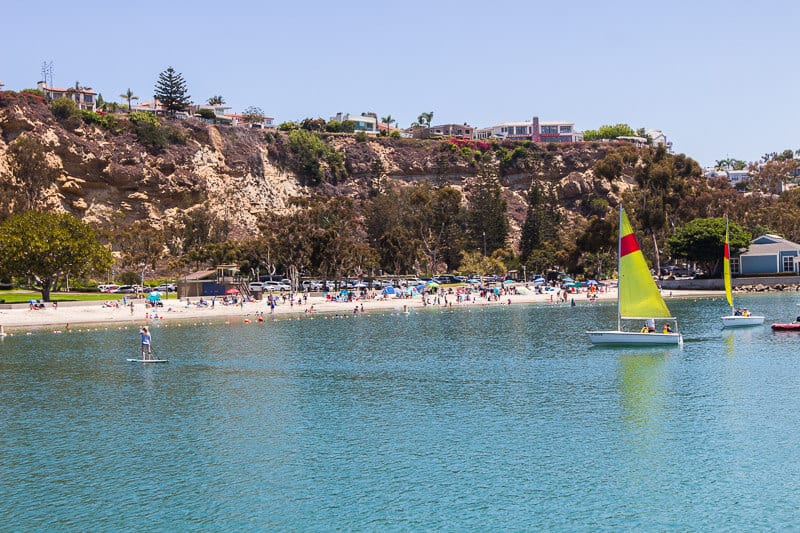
[[108, 122], [308, 153], [66, 112], [702, 240], [361, 137], [487, 219], [207, 114], [171, 91], [48, 246], [151, 133], [313, 124], [610, 167]]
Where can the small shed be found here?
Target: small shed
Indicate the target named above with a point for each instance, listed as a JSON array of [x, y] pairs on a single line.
[[212, 282]]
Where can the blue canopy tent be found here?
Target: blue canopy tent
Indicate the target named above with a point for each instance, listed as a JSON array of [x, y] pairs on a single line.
[[388, 291]]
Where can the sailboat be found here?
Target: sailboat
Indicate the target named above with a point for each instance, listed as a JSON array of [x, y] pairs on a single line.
[[734, 320], [638, 297]]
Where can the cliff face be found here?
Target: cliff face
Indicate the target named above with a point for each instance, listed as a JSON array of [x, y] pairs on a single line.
[[108, 177]]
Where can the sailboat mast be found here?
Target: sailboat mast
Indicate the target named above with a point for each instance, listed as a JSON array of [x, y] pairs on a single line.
[[619, 271], [726, 268]]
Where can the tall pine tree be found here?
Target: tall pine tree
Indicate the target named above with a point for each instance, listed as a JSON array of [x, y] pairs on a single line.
[[171, 91], [487, 219]]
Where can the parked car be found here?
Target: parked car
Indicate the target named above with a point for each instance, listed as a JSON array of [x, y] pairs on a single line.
[[256, 286], [276, 286], [124, 289], [312, 285], [167, 287], [107, 287]]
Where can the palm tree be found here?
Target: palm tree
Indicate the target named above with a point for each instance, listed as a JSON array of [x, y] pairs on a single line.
[[425, 119], [129, 96], [388, 120], [216, 100]]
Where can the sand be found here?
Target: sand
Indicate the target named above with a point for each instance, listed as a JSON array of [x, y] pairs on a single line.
[[71, 317]]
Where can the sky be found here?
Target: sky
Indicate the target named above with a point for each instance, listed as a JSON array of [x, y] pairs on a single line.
[[719, 78]]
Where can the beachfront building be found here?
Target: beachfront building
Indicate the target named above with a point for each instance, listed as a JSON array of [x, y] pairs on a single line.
[[366, 122], [85, 97], [531, 131], [768, 254]]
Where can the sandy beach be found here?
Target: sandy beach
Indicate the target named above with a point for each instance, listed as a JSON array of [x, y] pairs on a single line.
[[72, 316]]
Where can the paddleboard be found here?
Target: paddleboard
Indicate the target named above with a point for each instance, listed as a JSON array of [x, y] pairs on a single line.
[[147, 360]]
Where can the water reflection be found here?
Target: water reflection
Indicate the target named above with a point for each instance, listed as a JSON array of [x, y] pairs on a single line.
[[642, 381]]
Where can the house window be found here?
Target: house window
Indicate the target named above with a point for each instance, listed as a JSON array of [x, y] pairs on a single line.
[[735, 265], [549, 129], [788, 263], [565, 129], [522, 130]]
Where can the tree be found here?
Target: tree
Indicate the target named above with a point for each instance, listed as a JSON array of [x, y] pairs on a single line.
[[702, 240], [216, 100], [487, 219], [31, 172], [388, 120], [424, 119], [49, 246], [128, 96], [253, 115], [609, 132], [171, 91]]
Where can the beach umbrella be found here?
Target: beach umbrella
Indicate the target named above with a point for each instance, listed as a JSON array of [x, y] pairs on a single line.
[[539, 280], [567, 278], [232, 290], [522, 290], [154, 295], [591, 282], [431, 285], [420, 288], [506, 282]]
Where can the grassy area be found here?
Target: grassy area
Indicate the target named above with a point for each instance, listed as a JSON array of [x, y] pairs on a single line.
[[20, 296]]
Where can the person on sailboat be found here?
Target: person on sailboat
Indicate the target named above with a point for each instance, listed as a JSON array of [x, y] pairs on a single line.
[[651, 325], [145, 333], [667, 328]]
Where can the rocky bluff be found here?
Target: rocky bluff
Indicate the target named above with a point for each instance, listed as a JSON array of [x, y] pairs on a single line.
[[107, 174]]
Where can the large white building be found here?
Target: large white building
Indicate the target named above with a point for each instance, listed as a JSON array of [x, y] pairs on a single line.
[[533, 130]]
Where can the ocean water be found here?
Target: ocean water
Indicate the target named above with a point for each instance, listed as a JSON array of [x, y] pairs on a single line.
[[501, 418]]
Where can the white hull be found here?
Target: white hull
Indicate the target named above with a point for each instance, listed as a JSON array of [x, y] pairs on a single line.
[[733, 321], [631, 338]]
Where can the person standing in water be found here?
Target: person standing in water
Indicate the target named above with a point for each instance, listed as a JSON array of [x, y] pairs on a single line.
[[145, 333]]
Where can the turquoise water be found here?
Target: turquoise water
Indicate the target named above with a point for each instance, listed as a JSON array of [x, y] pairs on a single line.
[[497, 418]]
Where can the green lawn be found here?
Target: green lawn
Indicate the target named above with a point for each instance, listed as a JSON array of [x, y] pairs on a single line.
[[18, 296]]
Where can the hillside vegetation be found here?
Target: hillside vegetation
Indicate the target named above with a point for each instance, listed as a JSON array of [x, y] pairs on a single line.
[[180, 194]]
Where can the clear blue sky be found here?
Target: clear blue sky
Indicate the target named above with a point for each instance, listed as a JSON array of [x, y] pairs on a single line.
[[720, 78]]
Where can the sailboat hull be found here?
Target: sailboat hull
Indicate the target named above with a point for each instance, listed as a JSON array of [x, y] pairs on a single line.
[[734, 321], [631, 338]]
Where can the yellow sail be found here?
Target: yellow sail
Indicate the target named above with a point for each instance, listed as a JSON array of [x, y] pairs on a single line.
[[639, 296], [726, 267]]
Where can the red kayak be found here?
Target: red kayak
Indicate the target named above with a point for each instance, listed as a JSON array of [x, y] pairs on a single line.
[[795, 326]]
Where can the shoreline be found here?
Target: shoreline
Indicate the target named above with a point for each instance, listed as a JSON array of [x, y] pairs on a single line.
[[66, 318]]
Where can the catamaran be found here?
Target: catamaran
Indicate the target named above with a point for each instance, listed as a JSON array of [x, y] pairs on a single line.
[[743, 318], [638, 298]]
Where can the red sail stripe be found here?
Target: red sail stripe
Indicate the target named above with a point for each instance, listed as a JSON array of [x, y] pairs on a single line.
[[727, 251], [628, 245]]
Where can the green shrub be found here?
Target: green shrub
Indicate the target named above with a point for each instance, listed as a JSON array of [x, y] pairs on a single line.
[[394, 134], [361, 137], [108, 122], [140, 117], [35, 92], [65, 109], [207, 114]]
